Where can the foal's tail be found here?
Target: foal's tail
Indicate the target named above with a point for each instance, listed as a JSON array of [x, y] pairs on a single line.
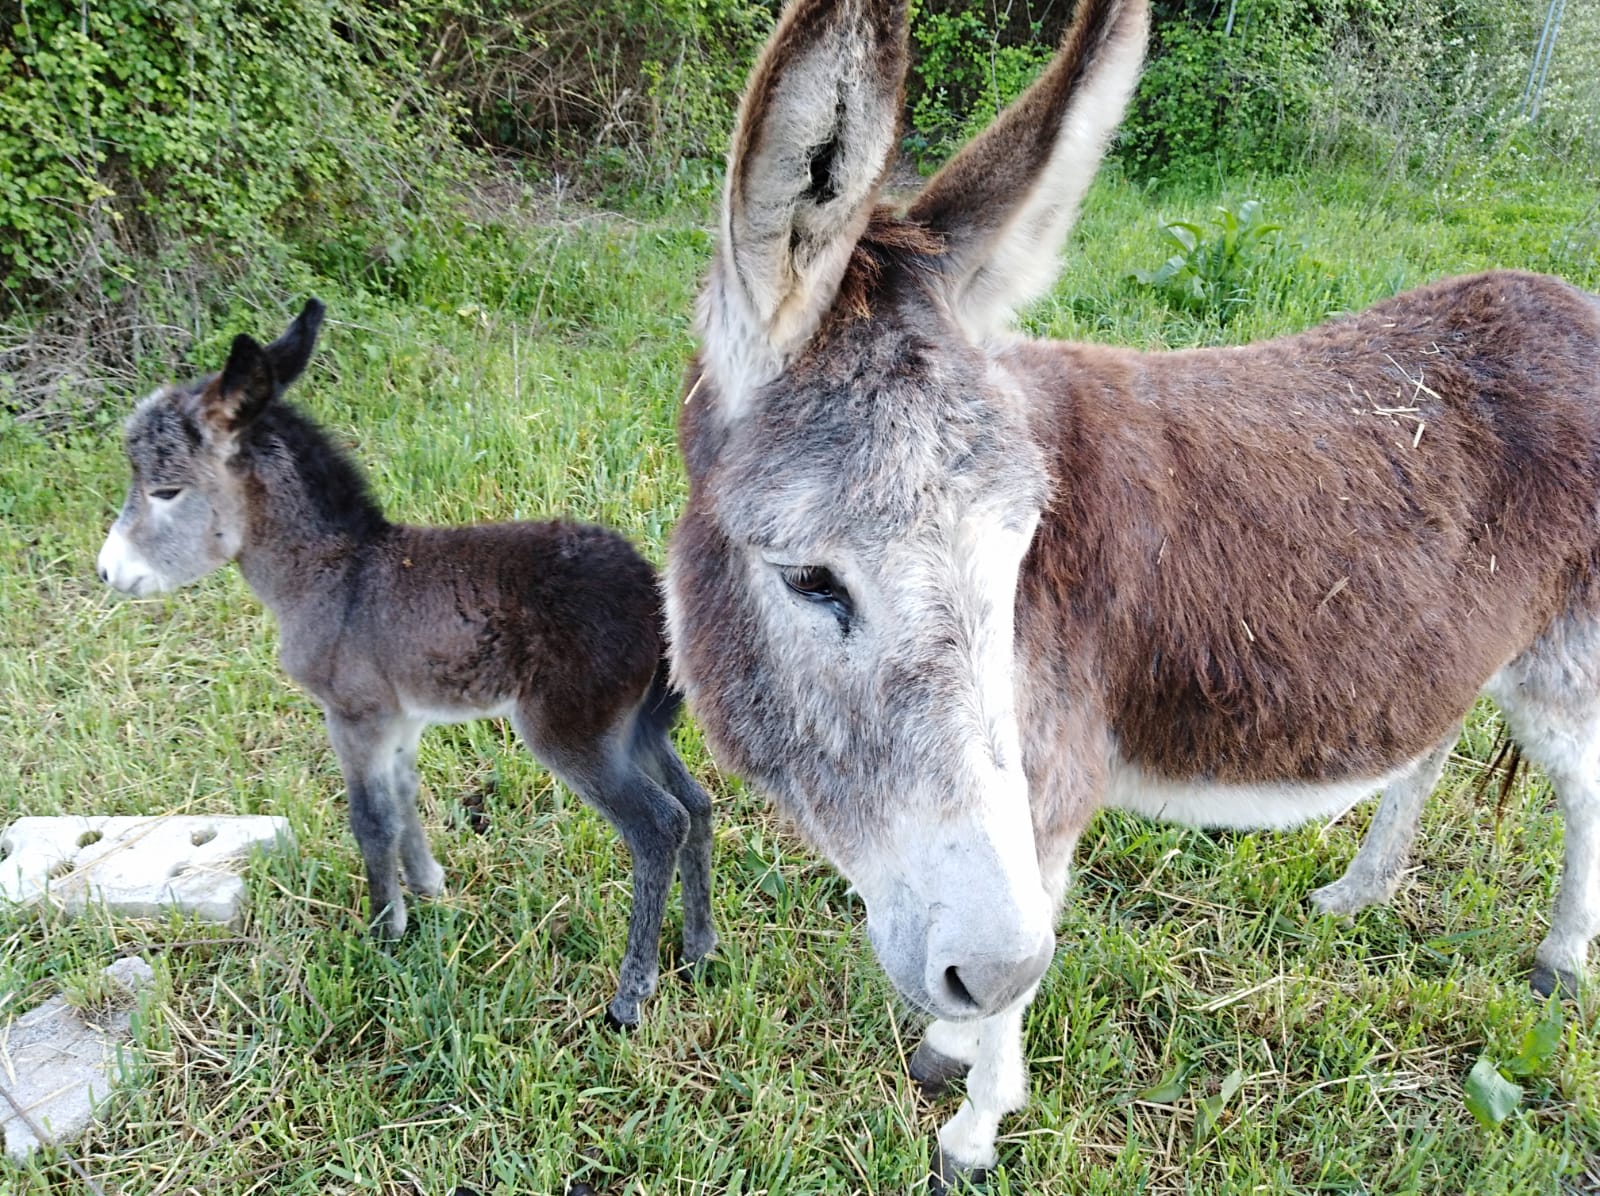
[[659, 710]]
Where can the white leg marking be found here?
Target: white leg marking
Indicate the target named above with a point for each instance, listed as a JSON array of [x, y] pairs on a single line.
[[1547, 699], [1576, 917], [996, 1085], [954, 1040]]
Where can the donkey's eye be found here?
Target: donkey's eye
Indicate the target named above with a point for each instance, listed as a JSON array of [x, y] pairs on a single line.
[[166, 493], [817, 584]]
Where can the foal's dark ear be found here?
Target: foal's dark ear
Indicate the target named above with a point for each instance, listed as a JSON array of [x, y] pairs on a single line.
[[238, 395], [256, 374], [290, 352]]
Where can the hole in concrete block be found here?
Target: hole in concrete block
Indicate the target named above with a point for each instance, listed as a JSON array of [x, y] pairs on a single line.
[[203, 836], [177, 870], [88, 837], [59, 869]]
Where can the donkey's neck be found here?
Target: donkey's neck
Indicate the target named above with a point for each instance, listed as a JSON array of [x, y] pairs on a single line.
[[307, 512]]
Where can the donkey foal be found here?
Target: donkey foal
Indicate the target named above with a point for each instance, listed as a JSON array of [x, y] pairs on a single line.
[[392, 628]]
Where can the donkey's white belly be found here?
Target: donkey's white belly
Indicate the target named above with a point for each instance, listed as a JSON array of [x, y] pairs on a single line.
[[1269, 805]]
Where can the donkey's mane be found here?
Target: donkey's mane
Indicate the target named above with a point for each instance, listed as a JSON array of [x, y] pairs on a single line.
[[889, 239], [334, 484]]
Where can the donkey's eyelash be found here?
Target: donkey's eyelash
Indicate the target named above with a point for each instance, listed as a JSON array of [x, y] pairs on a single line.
[[166, 493], [815, 583]]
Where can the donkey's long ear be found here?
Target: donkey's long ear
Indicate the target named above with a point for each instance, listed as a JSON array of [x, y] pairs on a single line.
[[815, 130], [1006, 202], [256, 374]]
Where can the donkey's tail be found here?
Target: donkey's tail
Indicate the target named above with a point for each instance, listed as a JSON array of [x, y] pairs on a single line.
[[659, 710]]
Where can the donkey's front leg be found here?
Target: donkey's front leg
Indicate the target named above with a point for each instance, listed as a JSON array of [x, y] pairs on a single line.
[[366, 745], [997, 1084]]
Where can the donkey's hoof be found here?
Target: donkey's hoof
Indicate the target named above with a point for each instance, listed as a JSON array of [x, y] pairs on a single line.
[[934, 1072], [696, 949], [948, 1177], [1548, 981], [1346, 896], [390, 924]]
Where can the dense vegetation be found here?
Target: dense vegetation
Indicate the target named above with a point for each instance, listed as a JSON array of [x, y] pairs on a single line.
[[506, 208], [162, 162]]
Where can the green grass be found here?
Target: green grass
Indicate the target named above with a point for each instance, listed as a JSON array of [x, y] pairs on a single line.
[[535, 369]]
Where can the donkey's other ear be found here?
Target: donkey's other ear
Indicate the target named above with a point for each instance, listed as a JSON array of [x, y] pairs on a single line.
[[1006, 202], [235, 397], [290, 352], [816, 127]]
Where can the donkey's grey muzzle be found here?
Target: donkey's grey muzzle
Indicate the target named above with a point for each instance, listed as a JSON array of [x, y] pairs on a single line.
[[985, 983]]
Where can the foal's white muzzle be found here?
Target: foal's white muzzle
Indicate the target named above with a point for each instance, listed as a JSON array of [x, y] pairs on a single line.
[[122, 568]]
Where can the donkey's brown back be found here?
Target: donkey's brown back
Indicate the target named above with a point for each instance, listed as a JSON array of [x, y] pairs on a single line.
[[1301, 557]]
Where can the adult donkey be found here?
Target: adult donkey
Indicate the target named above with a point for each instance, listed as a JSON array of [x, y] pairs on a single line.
[[942, 592]]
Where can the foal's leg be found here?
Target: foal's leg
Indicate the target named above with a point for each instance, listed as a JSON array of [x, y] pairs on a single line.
[[422, 872], [694, 857], [1374, 873], [366, 747], [653, 825], [990, 1049]]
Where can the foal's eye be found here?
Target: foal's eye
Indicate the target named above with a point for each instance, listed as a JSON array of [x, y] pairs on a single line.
[[816, 583], [166, 493]]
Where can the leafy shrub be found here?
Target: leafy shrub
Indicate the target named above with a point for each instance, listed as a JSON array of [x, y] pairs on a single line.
[[127, 127], [1413, 85], [966, 67], [1213, 273]]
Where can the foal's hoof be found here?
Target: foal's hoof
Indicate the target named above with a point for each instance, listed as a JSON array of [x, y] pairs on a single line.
[[390, 925], [428, 883], [934, 1072], [613, 1022], [1547, 981], [949, 1177], [696, 949]]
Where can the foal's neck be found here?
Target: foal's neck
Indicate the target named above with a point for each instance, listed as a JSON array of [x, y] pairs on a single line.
[[308, 515]]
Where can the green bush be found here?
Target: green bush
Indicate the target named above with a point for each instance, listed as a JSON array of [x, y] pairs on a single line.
[[963, 72], [1420, 86], [201, 127]]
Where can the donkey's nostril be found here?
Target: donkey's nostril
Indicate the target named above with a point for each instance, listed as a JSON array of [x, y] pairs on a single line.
[[104, 576], [987, 983], [952, 978]]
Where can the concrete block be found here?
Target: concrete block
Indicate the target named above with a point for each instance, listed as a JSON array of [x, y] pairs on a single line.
[[58, 1064], [135, 867]]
